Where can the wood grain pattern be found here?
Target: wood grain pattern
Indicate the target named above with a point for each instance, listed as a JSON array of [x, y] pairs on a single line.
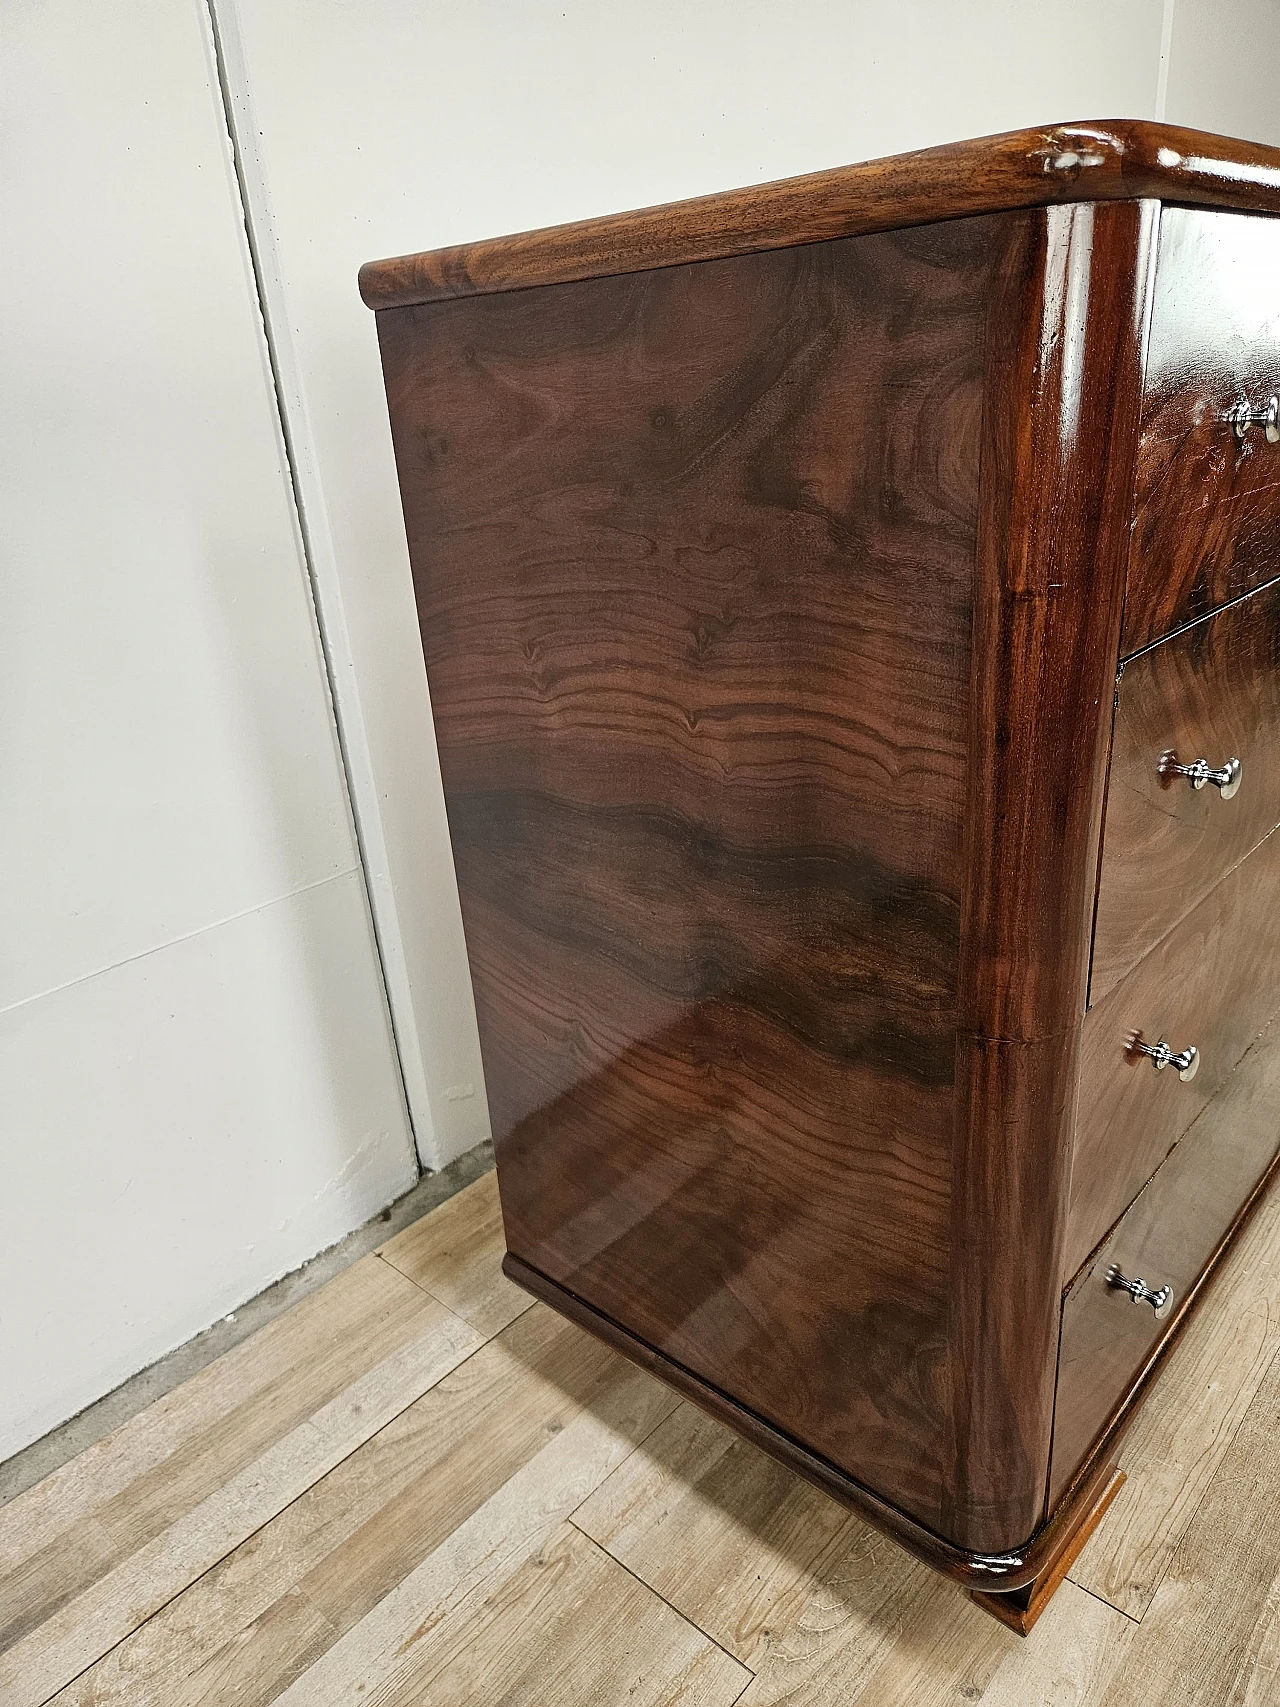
[[1090, 161], [1059, 426], [1012, 1569], [1207, 518], [719, 1530], [698, 641], [741, 702], [171, 1455], [771, 583], [1174, 1233], [1214, 981], [570, 1625], [165, 1463], [393, 1651], [1212, 691], [1023, 1610]]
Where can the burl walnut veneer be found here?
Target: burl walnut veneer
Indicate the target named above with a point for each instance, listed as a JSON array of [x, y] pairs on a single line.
[[781, 558]]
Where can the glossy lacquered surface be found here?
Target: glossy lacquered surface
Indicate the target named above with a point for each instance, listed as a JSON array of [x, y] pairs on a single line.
[[1060, 414], [1214, 981], [694, 555], [725, 650], [1212, 691], [772, 608], [1207, 504], [1174, 1229], [1091, 161]]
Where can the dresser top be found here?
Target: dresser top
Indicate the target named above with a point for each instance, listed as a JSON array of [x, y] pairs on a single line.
[[1098, 160]]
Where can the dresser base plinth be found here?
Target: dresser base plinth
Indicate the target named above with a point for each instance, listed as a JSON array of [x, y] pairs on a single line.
[[1020, 1608]]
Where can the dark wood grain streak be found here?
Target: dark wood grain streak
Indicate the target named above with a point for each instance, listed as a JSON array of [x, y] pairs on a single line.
[[1207, 519], [1213, 981], [1092, 161], [693, 552], [1057, 447], [1212, 691]]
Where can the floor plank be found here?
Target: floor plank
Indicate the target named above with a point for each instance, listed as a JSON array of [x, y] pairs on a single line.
[[1213, 1617], [114, 1604], [570, 1626], [174, 1451], [1079, 1642], [378, 1505], [1181, 1433], [455, 1254], [263, 1659], [714, 1526], [379, 1657], [821, 1607], [356, 1533]]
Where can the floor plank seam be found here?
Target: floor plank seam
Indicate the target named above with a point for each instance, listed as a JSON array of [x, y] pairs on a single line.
[[426, 1291], [649, 1589], [1102, 1599]]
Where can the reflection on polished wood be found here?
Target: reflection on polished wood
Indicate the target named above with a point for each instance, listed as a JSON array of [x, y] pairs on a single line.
[[1168, 1236], [1213, 982], [1207, 524], [772, 607], [1213, 691], [1095, 161], [708, 847]]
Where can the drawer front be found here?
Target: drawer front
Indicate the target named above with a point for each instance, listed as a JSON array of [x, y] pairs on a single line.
[[1211, 692], [1207, 503], [1166, 1238], [1213, 982]]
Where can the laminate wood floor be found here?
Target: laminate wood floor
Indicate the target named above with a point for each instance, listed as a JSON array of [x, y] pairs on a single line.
[[418, 1486]]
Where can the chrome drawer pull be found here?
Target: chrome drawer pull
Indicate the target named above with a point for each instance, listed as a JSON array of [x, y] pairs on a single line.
[[1226, 779], [1187, 1060], [1242, 418], [1159, 1298]]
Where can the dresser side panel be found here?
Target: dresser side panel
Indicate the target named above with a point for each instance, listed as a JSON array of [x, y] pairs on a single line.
[[693, 552]]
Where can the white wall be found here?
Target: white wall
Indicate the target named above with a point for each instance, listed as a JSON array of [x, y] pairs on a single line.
[[394, 125], [197, 1086]]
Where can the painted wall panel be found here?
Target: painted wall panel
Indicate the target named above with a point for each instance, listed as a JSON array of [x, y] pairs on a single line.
[[179, 1131], [188, 1107]]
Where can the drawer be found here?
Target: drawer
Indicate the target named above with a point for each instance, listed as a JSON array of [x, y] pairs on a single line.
[[1167, 1237], [1207, 506], [1211, 692], [1214, 981]]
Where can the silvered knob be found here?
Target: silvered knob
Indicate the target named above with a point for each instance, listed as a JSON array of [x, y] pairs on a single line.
[[1159, 1297], [1226, 778], [1187, 1061], [1242, 417]]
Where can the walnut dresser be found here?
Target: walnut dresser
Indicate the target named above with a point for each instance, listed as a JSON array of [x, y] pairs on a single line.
[[852, 614]]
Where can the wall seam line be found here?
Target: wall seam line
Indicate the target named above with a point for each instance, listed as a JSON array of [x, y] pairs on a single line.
[[181, 937], [330, 624]]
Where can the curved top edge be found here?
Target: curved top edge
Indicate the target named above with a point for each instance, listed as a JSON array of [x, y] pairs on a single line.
[[1097, 160]]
